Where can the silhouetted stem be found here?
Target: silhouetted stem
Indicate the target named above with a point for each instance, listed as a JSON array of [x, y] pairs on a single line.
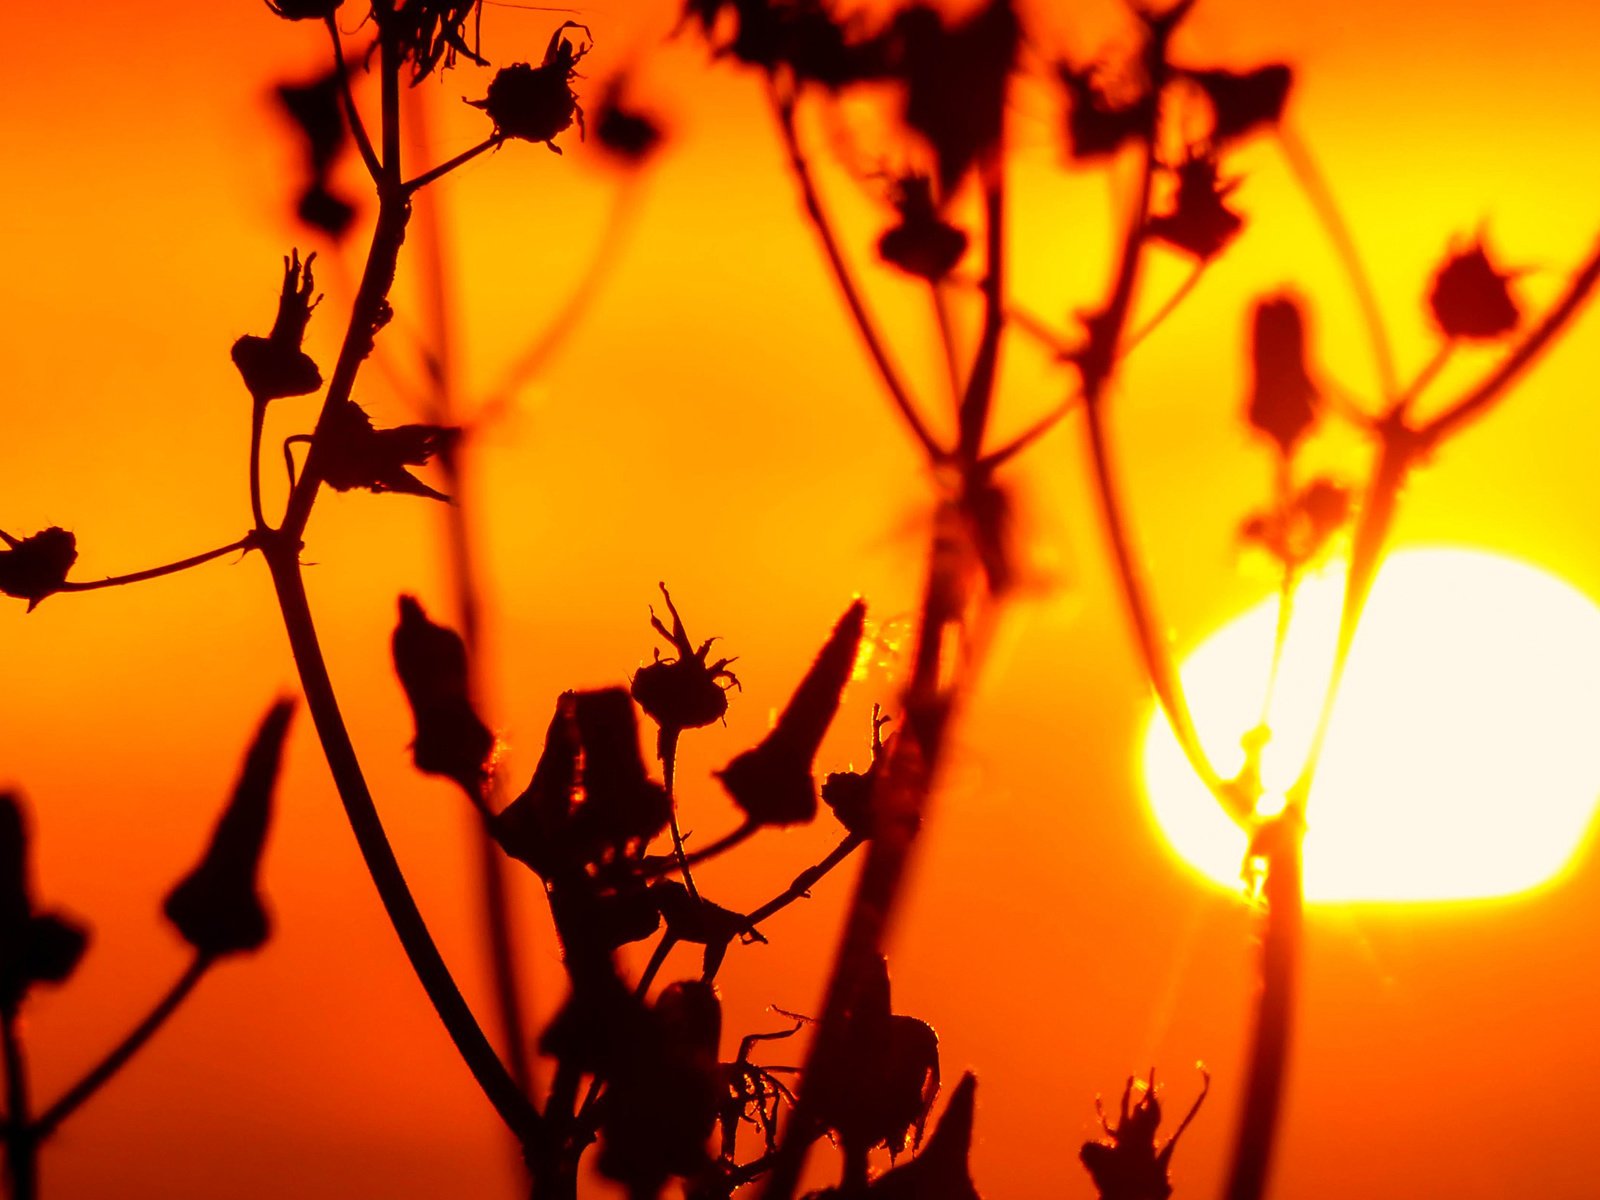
[[1427, 375], [358, 128], [947, 337], [783, 108], [1478, 400], [248, 542], [490, 1073], [667, 747], [258, 419], [805, 881], [1304, 168], [1269, 1047], [656, 866], [658, 959], [1286, 589], [978, 398], [444, 168], [102, 1072], [22, 1147]]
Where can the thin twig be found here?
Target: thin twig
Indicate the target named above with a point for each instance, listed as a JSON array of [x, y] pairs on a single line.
[[805, 881], [101, 1073], [258, 420], [411, 187], [358, 128], [783, 108], [978, 398], [1304, 168], [22, 1147], [246, 543]]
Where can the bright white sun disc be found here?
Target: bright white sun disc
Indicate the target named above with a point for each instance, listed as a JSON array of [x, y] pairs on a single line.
[[1463, 759]]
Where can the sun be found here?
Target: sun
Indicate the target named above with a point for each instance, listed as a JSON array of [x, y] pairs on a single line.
[[1463, 760]]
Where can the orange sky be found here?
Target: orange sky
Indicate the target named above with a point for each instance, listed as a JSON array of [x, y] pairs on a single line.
[[714, 423]]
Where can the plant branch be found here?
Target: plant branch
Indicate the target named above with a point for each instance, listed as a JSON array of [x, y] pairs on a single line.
[[978, 398], [102, 1072], [783, 107], [22, 1147], [805, 881], [411, 187], [258, 420], [1304, 168], [244, 544], [358, 128], [490, 1073]]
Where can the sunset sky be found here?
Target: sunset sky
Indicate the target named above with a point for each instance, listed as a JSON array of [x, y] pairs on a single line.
[[714, 423]]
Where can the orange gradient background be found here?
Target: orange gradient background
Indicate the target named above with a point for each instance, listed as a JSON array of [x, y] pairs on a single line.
[[714, 422]]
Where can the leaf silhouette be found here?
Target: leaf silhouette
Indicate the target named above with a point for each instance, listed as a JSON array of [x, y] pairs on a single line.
[[803, 37], [431, 32], [352, 454], [34, 947], [216, 907], [1243, 102], [773, 783], [941, 1170], [451, 739], [34, 567], [1096, 127], [532, 827]]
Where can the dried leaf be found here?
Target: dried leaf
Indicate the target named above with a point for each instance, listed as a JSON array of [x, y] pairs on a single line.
[[532, 827], [451, 739], [352, 454], [773, 783]]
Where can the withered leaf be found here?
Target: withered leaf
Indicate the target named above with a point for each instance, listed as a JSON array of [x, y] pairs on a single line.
[[352, 454]]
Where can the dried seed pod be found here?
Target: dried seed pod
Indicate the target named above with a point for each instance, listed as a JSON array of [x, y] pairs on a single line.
[[1243, 102], [32, 568], [773, 783], [537, 103], [216, 907], [1126, 1165], [1472, 299], [685, 692], [1200, 222], [922, 243], [1282, 397], [451, 739]]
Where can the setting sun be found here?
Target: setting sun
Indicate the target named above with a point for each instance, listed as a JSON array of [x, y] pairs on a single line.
[[1461, 760]]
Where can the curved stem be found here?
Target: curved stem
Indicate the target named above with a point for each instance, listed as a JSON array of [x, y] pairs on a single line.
[[248, 542], [978, 398], [490, 1073], [258, 420], [22, 1147], [783, 109], [1304, 168], [101, 1073], [358, 128], [667, 747], [656, 866]]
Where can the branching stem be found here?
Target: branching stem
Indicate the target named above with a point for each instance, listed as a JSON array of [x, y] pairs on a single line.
[[248, 542]]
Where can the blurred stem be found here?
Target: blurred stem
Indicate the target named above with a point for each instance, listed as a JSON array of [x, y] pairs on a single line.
[[978, 398], [783, 106], [102, 1072], [1427, 375], [1273, 1023], [508, 1099], [1307, 174], [499, 925], [411, 187], [940, 296], [246, 543], [22, 1145], [1284, 489]]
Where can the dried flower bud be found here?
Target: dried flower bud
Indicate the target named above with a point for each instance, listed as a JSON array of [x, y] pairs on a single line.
[[216, 907], [773, 783], [350, 453], [1097, 128], [1200, 222], [1242, 103], [1126, 1165], [537, 103], [431, 661], [685, 692], [31, 568], [274, 366], [304, 10], [849, 793], [1471, 299], [34, 947], [1282, 397], [923, 243], [629, 135]]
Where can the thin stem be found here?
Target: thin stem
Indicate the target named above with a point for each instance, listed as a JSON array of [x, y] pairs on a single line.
[[978, 398], [657, 865], [1426, 376], [421, 181], [940, 296], [667, 746], [358, 128], [1478, 400], [490, 1073], [246, 543], [658, 959], [1304, 168], [783, 108], [258, 420], [22, 1147], [805, 881], [1286, 590], [102, 1072]]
